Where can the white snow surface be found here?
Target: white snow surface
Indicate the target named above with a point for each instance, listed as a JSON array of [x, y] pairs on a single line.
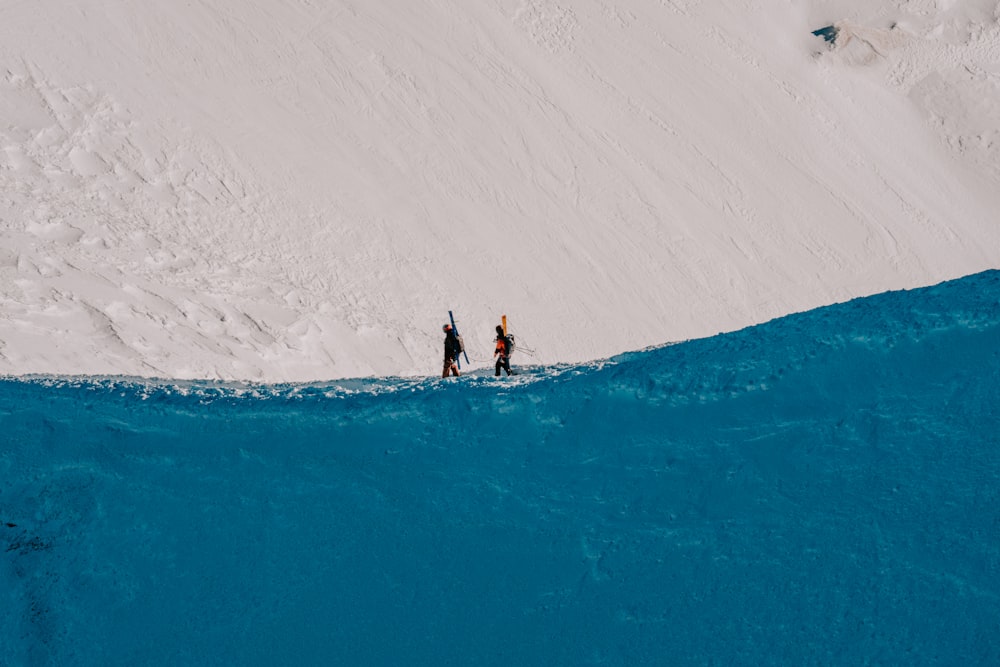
[[291, 190]]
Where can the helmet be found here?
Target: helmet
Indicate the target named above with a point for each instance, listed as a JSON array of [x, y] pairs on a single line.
[[446, 327]]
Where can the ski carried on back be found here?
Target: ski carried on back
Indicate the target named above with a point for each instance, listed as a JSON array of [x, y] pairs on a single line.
[[506, 334], [459, 337]]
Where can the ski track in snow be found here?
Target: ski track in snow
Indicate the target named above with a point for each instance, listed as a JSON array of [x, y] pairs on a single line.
[[299, 191]]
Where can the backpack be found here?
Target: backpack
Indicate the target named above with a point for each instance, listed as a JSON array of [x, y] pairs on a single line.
[[458, 345], [510, 343]]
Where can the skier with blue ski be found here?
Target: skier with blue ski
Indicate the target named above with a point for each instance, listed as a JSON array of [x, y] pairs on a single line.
[[453, 346]]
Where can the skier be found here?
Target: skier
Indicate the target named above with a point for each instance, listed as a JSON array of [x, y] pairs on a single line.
[[452, 348], [502, 353]]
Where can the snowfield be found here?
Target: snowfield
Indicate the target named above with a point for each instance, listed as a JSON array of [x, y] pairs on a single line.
[[297, 190]]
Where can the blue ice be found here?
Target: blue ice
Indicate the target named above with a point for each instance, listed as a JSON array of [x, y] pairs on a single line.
[[820, 489]]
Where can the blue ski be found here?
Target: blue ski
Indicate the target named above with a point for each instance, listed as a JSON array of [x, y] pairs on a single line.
[[455, 329]]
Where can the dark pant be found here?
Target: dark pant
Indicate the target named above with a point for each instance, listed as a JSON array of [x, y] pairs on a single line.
[[504, 363], [451, 367]]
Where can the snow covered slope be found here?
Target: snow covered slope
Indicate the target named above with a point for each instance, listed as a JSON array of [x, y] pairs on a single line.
[[821, 489], [292, 190]]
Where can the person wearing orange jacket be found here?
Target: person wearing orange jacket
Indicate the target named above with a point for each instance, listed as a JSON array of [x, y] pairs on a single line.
[[502, 352]]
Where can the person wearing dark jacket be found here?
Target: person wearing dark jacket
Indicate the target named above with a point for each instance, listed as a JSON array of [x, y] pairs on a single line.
[[502, 352], [452, 348]]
